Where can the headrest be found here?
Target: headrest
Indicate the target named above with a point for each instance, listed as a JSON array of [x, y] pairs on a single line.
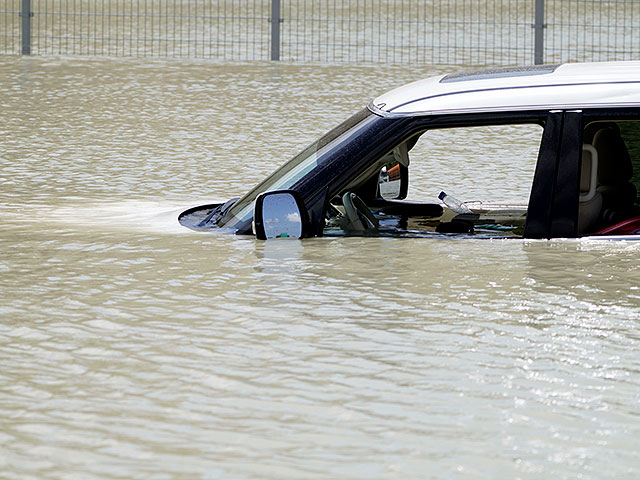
[[614, 162], [591, 129], [588, 173]]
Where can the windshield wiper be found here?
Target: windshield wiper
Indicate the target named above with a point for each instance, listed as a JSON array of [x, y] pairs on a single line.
[[218, 212]]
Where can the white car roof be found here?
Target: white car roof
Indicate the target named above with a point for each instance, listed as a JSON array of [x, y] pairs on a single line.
[[570, 85]]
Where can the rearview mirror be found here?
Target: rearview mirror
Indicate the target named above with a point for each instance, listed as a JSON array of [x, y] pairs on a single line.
[[279, 214], [393, 181], [389, 182], [393, 178]]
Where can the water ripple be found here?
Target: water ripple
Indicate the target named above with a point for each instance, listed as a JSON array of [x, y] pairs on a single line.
[[133, 348]]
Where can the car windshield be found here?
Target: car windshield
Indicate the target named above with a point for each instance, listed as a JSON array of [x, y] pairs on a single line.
[[292, 172]]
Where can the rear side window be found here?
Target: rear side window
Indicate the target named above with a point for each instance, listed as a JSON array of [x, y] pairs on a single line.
[[609, 192], [630, 132]]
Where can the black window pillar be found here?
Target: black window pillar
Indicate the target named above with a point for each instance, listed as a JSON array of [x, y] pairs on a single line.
[[564, 217], [553, 204]]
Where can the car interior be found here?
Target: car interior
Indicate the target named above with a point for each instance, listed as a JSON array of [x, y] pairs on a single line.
[[608, 195], [374, 203]]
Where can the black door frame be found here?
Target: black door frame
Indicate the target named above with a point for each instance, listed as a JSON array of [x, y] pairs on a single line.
[[553, 205]]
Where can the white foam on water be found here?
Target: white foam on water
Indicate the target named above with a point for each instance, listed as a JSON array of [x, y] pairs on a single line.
[[145, 216]]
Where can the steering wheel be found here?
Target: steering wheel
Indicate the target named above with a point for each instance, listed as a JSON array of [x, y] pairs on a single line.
[[359, 217]]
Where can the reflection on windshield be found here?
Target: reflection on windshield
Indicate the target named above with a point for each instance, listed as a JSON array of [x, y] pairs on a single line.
[[292, 172], [282, 182]]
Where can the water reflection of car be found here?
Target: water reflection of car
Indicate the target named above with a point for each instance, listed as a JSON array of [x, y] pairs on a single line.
[[583, 122]]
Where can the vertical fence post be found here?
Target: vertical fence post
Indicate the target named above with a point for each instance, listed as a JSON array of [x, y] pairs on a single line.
[[26, 15], [539, 26], [275, 29]]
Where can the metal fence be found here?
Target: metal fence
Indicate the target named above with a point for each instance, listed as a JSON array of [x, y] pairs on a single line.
[[467, 32]]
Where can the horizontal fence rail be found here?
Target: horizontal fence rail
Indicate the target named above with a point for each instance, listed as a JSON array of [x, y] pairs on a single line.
[[465, 32]]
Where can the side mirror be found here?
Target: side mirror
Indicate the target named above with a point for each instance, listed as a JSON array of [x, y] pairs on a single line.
[[279, 214]]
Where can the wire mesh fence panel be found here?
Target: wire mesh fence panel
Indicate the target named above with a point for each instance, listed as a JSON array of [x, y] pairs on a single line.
[[462, 32], [408, 31], [10, 29], [229, 29], [592, 30]]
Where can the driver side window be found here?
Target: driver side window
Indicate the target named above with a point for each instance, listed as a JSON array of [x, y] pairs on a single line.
[[491, 164], [414, 189]]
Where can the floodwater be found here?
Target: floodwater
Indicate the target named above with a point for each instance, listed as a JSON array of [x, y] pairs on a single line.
[[134, 348]]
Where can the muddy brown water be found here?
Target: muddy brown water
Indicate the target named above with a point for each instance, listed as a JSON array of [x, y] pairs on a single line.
[[132, 347]]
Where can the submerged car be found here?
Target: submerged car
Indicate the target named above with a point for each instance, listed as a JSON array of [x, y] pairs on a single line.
[[583, 121]]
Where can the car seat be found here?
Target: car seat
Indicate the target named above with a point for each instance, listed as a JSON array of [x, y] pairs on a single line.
[[614, 172], [590, 200]]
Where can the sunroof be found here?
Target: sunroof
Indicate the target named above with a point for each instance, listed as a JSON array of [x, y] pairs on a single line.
[[505, 72]]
